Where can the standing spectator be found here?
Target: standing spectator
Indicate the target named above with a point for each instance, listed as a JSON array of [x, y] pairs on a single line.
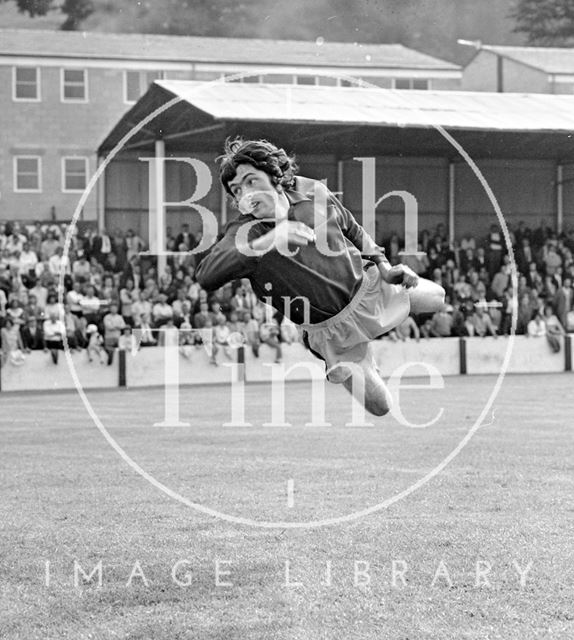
[[563, 301], [49, 246], [186, 238], [524, 255], [102, 246], [54, 331], [81, 269], [27, 261], [501, 280], [554, 329], [74, 333], [113, 326], [251, 333], [12, 345], [134, 245], [95, 346], [128, 296]]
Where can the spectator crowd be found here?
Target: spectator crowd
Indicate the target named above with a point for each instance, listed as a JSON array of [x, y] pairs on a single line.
[[114, 297]]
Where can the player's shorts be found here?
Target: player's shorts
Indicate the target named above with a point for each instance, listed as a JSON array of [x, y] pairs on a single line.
[[376, 308]]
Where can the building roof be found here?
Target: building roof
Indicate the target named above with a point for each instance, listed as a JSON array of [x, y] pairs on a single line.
[[487, 122], [145, 47], [552, 60]]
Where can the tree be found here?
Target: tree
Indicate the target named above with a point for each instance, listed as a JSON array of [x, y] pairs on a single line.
[[75, 11], [545, 22]]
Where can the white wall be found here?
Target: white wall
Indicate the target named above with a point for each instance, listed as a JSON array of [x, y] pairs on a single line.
[[147, 367]]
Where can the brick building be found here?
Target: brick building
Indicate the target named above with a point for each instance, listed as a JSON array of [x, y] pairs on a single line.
[[63, 91]]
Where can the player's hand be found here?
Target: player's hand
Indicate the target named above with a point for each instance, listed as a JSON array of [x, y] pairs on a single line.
[[401, 274]]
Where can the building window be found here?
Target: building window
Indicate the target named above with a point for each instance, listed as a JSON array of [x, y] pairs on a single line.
[[305, 80], [26, 83], [74, 174], [27, 174], [74, 85], [412, 83], [136, 83]]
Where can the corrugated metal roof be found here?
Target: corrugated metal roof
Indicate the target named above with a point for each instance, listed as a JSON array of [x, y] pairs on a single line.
[[222, 50], [385, 107], [548, 59]]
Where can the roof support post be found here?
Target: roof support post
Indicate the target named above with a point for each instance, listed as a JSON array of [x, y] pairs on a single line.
[[340, 177], [451, 201], [100, 196], [157, 227], [559, 198]]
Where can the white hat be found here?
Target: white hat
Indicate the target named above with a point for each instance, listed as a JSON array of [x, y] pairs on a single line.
[[91, 328]]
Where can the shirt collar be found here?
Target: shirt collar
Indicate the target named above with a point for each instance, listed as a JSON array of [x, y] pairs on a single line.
[[295, 197]]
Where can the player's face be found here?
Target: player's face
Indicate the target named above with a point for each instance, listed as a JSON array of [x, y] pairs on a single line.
[[255, 193]]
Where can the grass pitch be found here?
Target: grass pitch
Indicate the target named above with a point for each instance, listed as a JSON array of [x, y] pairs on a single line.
[[484, 550]]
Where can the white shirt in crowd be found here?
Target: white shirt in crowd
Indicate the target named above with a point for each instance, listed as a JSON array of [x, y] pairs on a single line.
[[54, 330]]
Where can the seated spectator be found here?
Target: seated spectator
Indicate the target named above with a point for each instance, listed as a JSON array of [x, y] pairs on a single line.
[[289, 331], [441, 322], [57, 262], [221, 336], [482, 324], [54, 331], [269, 334], [32, 335], [536, 327], [81, 269], [74, 299], [91, 306], [16, 313], [52, 305], [161, 311], [141, 306], [462, 290], [406, 330], [74, 329], [144, 332], [127, 341], [201, 318]]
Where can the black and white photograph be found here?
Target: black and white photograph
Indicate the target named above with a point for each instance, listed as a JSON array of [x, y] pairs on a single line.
[[286, 319]]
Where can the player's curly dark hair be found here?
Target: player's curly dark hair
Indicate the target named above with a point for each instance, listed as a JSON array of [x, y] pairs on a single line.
[[262, 155]]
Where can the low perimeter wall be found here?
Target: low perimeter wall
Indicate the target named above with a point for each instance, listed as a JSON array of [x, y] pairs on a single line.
[[147, 367]]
